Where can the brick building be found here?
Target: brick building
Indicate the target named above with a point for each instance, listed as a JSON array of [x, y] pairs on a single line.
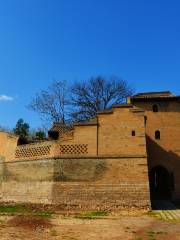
[[124, 157], [162, 120]]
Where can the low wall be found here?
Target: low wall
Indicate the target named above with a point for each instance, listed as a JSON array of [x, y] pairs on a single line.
[[88, 183]]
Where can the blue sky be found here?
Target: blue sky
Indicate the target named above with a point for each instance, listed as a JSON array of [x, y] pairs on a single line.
[[42, 40]]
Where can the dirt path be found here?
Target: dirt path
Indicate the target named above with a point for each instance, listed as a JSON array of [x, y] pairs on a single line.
[[141, 227]]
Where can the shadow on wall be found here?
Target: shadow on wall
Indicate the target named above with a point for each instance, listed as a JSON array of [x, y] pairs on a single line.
[[78, 170], [164, 175], [163, 106], [74, 180]]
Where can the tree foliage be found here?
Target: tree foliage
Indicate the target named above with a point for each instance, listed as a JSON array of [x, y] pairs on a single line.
[[40, 135], [22, 130]]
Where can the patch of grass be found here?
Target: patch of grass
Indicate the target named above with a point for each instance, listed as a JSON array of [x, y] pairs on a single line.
[[11, 209], [18, 209], [43, 214], [92, 215]]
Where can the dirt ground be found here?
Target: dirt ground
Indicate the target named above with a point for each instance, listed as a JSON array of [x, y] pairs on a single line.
[[113, 227]]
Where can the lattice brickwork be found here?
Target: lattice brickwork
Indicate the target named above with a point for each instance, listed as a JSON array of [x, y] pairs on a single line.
[[74, 149], [25, 152]]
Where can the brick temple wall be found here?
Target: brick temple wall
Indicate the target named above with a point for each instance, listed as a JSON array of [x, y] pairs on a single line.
[[115, 132], [95, 166], [166, 150], [88, 182]]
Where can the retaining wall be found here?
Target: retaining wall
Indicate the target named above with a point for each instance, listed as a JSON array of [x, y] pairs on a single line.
[[89, 183]]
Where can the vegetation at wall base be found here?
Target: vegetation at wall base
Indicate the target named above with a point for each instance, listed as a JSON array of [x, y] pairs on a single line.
[[20, 209], [92, 215]]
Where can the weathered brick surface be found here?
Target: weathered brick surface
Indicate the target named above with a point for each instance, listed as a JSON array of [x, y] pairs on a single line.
[[94, 182], [27, 192], [105, 195]]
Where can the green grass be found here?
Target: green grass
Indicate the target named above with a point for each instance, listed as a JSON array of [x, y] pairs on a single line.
[[18, 209], [92, 215]]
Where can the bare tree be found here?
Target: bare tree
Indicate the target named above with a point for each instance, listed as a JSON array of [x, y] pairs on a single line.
[[52, 104], [82, 101], [97, 94]]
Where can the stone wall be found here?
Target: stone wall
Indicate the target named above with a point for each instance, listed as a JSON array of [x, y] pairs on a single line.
[[89, 183]]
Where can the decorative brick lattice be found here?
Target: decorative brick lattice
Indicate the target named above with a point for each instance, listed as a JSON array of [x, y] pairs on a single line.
[[74, 149], [25, 152]]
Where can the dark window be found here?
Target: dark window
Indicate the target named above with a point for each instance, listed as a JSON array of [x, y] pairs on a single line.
[[145, 120], [133, 133], [157, 134], [155, 108]]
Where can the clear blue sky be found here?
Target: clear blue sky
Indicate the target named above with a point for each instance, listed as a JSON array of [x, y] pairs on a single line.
[[42, 40]]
